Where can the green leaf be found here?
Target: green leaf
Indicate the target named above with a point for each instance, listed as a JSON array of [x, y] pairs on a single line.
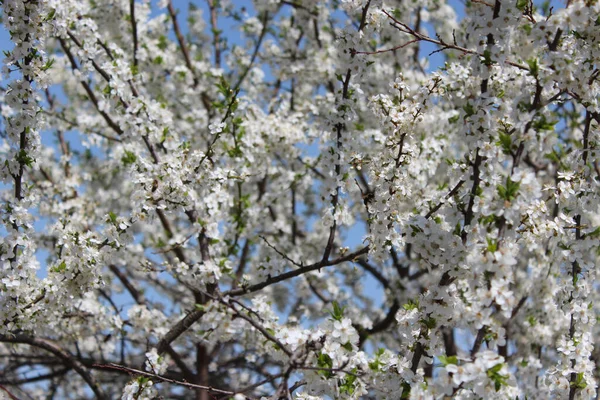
[[59, 268], [487, 58], [554, 156], [347, 384], [448, 360], [508, 192], [338, 311], [457, 229], [374, 365], [496, 368], [324, 361], [494, 374], [50, 15], [577, 34], [534, 68], [579, 382], [162, 42], [129, 158], [48, 64], [235, 152], [542, 124], [411, 305], [469, 109], [492, 245], [223, 87], [24, 159], [505, 142], [595, 233], [406, 386], [428, 322]]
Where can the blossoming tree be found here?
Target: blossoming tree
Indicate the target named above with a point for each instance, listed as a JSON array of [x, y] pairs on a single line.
[[176, 206]]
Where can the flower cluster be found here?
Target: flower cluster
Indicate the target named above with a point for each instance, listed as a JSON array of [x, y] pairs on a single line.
[[332, 199], [25, 68]]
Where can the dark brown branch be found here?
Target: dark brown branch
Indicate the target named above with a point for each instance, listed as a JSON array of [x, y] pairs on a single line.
[[263, 32], [299, 6], [363, 17], [380, 326], [416, 357], [215, 31], [449, 195], [575, 270], [339, 128], [478, 341], [373, 271], [473, 194], [239, 272], [112, 366], [112, 124], [443, 44], [335, 198], [5, 390], [185, 323], [137, 296], [67, 358], [94, 63], [180, 40], [178, 329], [134, 32], [586, 136], [401, 46], [553, 46], [259, 328], [37, 378], [294, 273]]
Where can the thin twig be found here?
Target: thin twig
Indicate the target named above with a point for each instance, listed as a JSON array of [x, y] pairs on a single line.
[[67, 358], [113, 366]]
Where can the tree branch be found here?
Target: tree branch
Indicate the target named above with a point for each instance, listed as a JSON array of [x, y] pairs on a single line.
[[67, 358]]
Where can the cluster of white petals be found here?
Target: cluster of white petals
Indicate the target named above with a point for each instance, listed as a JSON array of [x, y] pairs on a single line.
[[312, 199]]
